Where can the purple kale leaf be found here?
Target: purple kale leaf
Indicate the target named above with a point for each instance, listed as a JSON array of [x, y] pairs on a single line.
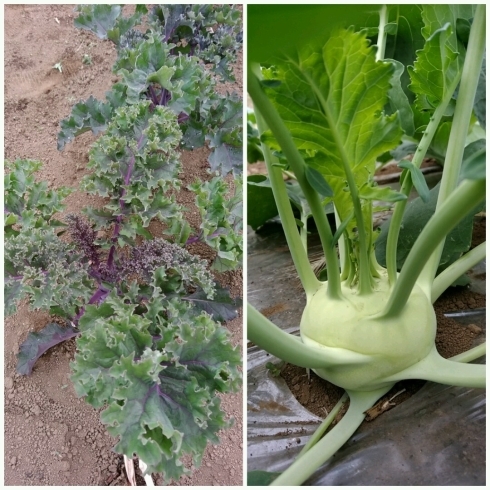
[[38, 343]]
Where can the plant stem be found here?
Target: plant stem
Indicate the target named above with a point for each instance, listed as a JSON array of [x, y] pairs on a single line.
[[472, 354], [271, 338], [324, 425], [381, 43], [469, 194], [295, 243], [306, 465], [283, 137], [342, 247], [406, 185], [446, 371], [97, 298], [461, 121], [456, 270]]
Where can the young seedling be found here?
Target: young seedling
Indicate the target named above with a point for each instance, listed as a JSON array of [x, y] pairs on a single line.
[[367, 327]]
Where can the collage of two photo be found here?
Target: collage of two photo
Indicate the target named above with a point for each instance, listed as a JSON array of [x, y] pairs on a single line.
[[244, 245]]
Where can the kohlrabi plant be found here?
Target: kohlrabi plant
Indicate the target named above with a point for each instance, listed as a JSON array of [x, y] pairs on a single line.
[[144, 311], [325, 114]]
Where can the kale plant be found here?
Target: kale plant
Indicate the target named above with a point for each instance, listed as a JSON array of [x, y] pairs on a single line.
[[175, 64], [145, 320], [156, 74], [145, 312], [222, 220]]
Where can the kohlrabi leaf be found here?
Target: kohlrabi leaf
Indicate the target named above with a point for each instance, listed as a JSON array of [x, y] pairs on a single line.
[[435, 16], [270, 83], [341, 228], [435, 70], [331, 99], [403, 46], [463, 28], [439, 143], [418, 179], [298, 199], [416, 216], [480, 104], [440, 62], [408, 147], [476, 167], [398, 100], [222, 307], [38, 343], [391, 28], [254, 151], [318, 182], [260, 478], [261, 205], [378, 193], [474, 161]]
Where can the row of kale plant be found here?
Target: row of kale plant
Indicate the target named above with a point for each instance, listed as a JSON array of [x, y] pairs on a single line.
[[144, 311]]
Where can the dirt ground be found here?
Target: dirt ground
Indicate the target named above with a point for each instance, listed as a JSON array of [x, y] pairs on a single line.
[[51, 436]]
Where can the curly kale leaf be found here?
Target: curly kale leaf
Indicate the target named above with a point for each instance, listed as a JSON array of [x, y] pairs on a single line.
[[46, 270], [211, 32], [222, 221], [151, 72], [218, 121], [170, 19], [106, 22], [168, 65], [168, 267], [221, 307], [28, 203], [37, 263], [136, 165], [91, 115], [160, 389], [225, 137]]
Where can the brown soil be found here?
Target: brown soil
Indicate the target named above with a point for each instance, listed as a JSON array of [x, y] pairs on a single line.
[[51, 436], [452, 338]]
